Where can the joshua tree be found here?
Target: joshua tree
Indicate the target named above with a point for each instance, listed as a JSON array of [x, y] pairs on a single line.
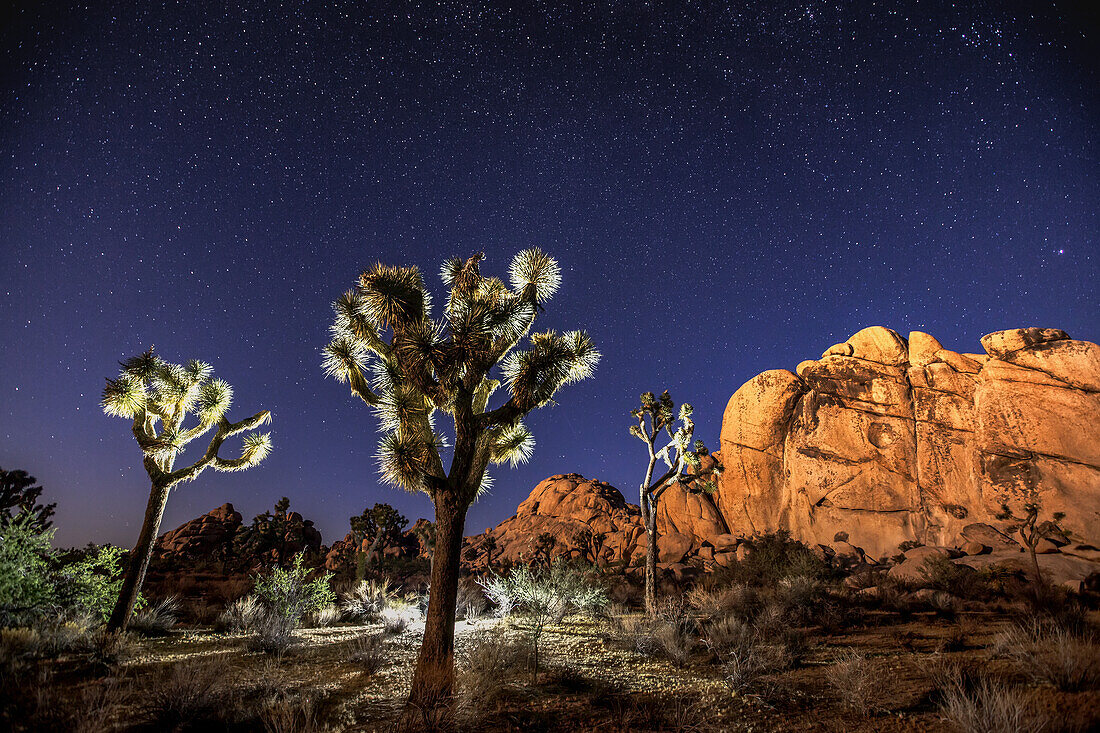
[[149, 390], [654, 416], [544, 548], [18, 492], [1032, 532], [382, 525], [406, 366], [591, 543]]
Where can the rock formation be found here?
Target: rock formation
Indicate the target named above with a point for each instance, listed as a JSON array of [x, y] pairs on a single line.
[[564, 506], [212, 536], [199, 538], [890, 439]]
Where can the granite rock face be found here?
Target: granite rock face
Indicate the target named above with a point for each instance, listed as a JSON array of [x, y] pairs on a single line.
[[892, 439], [565, 506]]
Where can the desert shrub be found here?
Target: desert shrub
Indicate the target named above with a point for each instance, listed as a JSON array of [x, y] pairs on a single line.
[[981, 705], [471, 602], [300, 713], [287, 595], [17, 647], [369, 653], [399, 614], [854, 680], [500, 592], [26, 590], [940, 573], [558, 592], [367, 599], [156, 620], [324, 617], [273, 634], [241, 615], [706, 602], [107, 651], [287, 592], [770, 558], [487, 664], [799, 597], [186, 694], [1052, 655], [544, 596]]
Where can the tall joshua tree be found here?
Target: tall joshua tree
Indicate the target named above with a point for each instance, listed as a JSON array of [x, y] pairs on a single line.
[[407, 366], [654, 417], [149, 390]]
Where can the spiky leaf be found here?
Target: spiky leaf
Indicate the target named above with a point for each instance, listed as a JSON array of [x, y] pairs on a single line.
[[514, 444], [124, 397], [535, 274]]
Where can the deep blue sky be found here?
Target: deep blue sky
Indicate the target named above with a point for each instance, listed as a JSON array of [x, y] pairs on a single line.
[[727, 190]]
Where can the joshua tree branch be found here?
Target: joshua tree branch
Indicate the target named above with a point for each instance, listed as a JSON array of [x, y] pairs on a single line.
[[226, 430]]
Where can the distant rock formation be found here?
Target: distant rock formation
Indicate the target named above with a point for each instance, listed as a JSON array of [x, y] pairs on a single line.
[[199, 538], [889, 439], [218, 534]]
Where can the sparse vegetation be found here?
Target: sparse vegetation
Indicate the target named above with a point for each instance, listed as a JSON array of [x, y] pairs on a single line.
[[1052, 655], [286, 596]]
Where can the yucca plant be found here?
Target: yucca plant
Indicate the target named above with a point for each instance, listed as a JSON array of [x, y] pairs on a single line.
[[656, 415], [408, 366], [159, 397]]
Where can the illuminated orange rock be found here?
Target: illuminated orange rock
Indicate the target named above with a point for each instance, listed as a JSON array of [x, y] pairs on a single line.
[[889, 439]]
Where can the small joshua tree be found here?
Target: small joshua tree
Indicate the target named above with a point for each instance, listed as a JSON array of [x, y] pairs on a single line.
[[1032, 532], [149, 390], [407, 366], [544, 548], [591, 543], [382, 525], [653, 417]]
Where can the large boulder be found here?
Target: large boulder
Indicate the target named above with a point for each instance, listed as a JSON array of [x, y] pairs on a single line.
[[892, 439], [567, 507]]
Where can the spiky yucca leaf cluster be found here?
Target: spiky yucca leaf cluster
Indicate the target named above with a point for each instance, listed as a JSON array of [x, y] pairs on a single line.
[[406, 365], [151, 391]]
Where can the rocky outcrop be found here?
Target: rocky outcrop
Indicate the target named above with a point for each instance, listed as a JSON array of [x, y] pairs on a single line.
[[220, 534], [891, 439], [565, 506], [342, 555], [575, 511], [199, 538]]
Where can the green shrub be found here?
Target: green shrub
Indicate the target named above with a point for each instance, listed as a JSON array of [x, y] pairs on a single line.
[[90, 586], [940, 573], [287, 595], [26, 587], [770, 558]]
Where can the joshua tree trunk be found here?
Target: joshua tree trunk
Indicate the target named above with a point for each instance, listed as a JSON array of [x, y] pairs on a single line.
[[433, 680], [651, 559], [650, 525], [138, 563]]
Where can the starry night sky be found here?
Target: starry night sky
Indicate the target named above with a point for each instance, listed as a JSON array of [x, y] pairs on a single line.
[[728, 190]]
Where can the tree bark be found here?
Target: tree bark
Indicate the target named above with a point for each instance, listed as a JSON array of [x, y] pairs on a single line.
[[433, 680], [651, 560], [138, 563]]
